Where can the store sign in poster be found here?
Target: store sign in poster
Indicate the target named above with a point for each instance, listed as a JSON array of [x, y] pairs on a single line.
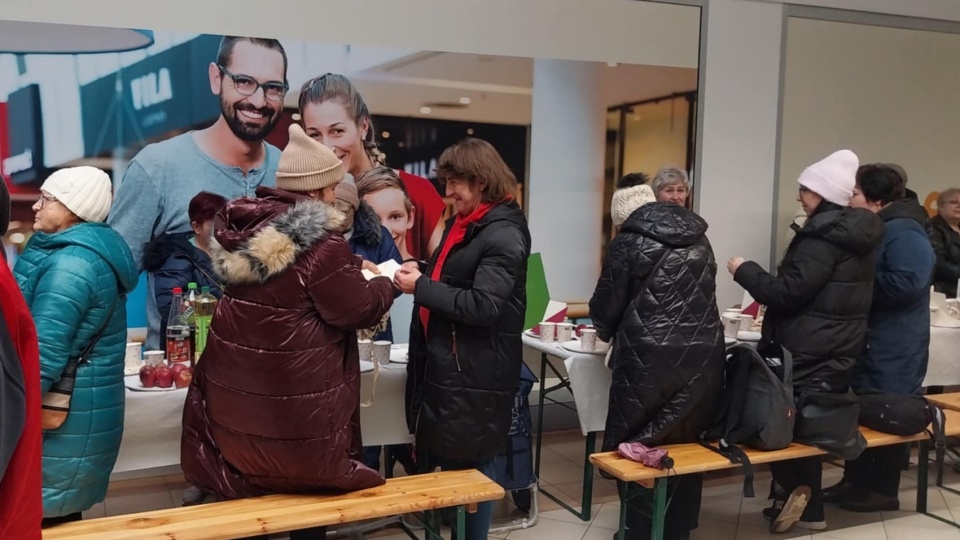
[[23, 159], [165, 92]]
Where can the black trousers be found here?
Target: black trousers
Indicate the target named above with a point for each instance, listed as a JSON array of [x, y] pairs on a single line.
[[877, 469], [789, 475], [47, 522], [683, 512]]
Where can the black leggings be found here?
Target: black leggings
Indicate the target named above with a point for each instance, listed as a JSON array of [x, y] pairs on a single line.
[[47, 522]]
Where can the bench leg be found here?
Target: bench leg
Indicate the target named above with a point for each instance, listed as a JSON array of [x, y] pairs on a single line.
[[462, 522], [923, 471], [659, 509], [623, 488]]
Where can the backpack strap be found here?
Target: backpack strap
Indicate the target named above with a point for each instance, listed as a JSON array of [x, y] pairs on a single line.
[[939, 436], [737, 391]]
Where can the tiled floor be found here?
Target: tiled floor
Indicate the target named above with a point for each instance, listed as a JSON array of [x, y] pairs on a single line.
[[725, 515]]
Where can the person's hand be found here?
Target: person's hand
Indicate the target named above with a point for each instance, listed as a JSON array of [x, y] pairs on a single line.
[[406, 279], [367, 265], [733, 264], [411, 265]]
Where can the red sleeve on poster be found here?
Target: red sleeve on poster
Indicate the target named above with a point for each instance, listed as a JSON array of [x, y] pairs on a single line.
[[430, 208]]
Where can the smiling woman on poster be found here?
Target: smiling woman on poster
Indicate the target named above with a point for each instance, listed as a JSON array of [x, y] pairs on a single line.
[[335, 114]]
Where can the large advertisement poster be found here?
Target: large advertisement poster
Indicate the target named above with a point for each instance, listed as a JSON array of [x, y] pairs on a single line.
[[196, 113]]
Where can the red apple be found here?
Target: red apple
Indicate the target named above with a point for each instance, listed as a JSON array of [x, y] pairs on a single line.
[[177, 367], [148, 376], [183, 378], [164, 377]]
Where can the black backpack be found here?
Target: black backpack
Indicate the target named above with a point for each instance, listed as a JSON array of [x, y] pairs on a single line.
[[756, 409]]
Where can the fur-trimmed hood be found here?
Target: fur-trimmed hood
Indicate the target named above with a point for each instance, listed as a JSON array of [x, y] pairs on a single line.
[[255, 239]]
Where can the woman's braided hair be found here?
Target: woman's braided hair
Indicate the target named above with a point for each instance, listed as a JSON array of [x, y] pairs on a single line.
[[332, 86]]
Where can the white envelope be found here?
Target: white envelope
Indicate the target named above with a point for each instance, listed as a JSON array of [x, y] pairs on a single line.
[[387, 269]]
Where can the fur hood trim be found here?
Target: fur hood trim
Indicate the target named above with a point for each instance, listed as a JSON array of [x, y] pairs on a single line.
[[278, 244]]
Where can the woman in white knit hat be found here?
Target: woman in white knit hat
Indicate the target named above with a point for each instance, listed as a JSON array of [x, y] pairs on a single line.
[[817, 307], [75, 274], [656, 301]]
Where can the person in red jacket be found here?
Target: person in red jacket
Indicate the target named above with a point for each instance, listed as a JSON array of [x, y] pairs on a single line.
[[21, 504]]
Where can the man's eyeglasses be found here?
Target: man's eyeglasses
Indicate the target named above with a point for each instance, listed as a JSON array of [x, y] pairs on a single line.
[[44, 199], [248, 86]]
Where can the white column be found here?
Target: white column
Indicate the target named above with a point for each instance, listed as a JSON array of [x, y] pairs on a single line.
[[565, 188], [737, 168]]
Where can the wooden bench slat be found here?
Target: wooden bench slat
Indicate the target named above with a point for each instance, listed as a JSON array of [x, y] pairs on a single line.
[[280, 513], [692, 458], [950, 402]]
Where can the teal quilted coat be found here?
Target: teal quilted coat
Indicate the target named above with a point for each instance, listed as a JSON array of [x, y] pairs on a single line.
[[75, 281]]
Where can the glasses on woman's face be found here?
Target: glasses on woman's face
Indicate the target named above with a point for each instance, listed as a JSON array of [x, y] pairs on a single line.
[[44, 199], [246, 85]]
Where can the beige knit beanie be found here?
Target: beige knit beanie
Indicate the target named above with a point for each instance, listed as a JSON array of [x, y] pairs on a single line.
[[306, 165], [85, 191], [626, 200]]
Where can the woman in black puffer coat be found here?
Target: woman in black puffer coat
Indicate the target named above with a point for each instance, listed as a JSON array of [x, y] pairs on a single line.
[[656, 299], [817, 307]]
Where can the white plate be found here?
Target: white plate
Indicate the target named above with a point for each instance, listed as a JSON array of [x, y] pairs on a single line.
[[366, 366], [529, 333], [748, 336], [729, 341], [133, 383], [574, 347]]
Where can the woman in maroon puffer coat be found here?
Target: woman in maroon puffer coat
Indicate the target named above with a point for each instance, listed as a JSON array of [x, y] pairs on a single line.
[[274, 403]]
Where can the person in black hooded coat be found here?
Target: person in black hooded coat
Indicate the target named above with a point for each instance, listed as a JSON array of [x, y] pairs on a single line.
[[817, 308], [656, 299]]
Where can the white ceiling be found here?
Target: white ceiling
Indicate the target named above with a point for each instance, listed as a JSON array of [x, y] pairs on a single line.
[[499, 87]]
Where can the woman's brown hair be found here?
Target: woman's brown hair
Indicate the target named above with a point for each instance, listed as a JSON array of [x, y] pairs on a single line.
[[475, 161], [332, 86]]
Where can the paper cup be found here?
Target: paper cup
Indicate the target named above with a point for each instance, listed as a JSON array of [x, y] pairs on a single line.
[[746, 323], [133, 359], [564, 332], [548, 332], [731, 326], [588, 340], [154, 358], [366, 349], [381, 352]]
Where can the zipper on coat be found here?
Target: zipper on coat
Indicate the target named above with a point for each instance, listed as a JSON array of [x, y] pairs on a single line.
[[455, 355]]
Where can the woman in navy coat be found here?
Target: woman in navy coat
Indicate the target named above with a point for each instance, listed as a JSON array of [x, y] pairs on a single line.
[[895, 357]]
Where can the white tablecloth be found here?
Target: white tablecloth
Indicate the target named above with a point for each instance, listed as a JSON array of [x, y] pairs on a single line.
[[590, 379], [944, 366], [152, 420]]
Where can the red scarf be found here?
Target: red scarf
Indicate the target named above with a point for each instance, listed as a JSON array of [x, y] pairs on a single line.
[[457, 234]]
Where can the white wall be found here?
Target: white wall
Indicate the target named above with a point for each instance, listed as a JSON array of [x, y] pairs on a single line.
[[739, 93], [888, 94]]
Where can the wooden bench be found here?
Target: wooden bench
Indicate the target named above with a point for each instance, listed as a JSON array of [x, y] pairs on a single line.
[[949, 402], [280, 513], [693, 458]]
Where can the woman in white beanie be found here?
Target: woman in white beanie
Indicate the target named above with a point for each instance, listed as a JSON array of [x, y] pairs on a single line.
[[817, 307], [657, 297], [632, 193], [75, 274]]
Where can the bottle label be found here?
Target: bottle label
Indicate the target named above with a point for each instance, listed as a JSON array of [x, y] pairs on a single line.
[[178, 345]]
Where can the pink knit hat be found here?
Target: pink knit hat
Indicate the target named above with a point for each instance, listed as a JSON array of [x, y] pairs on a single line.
[[833, 178]]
